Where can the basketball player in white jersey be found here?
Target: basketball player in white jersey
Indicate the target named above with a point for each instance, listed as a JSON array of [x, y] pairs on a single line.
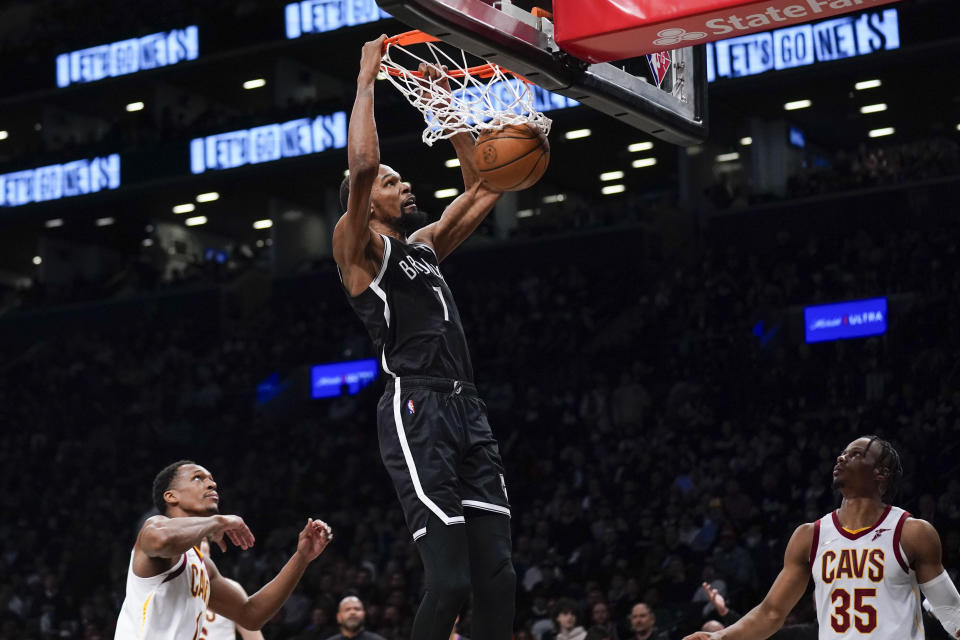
[[170, 582], [867, 559]]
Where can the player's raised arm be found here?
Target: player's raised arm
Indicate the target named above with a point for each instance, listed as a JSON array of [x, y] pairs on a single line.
[[764, 619], [464, 214], [352, 237], [252, 612], [921, 543]]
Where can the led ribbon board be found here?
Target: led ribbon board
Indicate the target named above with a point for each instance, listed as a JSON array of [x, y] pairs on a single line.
[[543, 100], [843, 320], [319, 16], [268, 143], [128, 56], [60, 181], [328, 380], [803, 45]]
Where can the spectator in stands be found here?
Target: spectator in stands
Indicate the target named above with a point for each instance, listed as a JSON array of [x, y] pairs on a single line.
[[644, 624], [350, 617], [568, 616]]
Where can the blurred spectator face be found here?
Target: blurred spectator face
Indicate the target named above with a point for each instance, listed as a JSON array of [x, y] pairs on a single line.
[[600, 613], [350, 615], [318, 617], [641, 618], [567, 620]]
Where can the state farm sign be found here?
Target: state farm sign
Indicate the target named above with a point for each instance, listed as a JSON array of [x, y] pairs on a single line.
[[605, 30]]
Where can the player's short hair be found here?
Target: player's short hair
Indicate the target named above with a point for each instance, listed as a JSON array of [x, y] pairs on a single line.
[[890, 460], [162, 482], [566, 605], [344, 192]]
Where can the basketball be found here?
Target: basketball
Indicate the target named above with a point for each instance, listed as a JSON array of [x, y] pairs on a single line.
[[512, 158]]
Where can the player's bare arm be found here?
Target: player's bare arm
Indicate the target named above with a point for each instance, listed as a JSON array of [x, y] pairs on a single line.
[[162, 540], [252, 612], [764, 619], [464, 214], [921, 544], [358, 252]]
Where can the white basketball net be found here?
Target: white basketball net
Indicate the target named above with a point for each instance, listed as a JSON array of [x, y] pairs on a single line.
[[472, 104]]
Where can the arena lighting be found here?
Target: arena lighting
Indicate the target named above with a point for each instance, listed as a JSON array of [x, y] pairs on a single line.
[[263, 224], [611, 175], [452, 163], [128, 56], [867, 84], [446, 193], [746, 141], [104, 222], [319, 16], [268, 143], [643, 162], [184, 208], [728, 157], [844, 320], [147, 242], [640, 146], [53, 223], [873, 108], [37, 260], [576, 134], [57, 181], [797, 104], [555, 198], [208, 197], [135, 106], [525, 213], [804, 44], [612, 189], [4, 135], [256, 83], [884, 131], [195, 221]]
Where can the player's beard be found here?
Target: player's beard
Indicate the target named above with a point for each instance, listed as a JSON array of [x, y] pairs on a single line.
[[410, 222]]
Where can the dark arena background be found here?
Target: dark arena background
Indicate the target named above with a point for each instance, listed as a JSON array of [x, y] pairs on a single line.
[[648, 323]]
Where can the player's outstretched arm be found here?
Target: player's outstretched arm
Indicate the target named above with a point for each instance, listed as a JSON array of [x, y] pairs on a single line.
[[352, 237], [161, 539], [252, 612], [921, 543], [761, 622]]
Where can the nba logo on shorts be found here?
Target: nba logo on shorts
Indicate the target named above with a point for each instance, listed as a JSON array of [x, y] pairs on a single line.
[[410, 408]]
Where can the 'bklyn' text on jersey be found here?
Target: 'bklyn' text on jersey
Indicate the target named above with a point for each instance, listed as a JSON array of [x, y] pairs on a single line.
[[413, 267]]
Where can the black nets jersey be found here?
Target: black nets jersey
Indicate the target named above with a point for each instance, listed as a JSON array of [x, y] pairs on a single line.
[[411, 317]]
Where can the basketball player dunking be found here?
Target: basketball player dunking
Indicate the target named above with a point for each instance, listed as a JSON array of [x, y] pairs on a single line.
[[867, 559], [435, 440], [170, 582]]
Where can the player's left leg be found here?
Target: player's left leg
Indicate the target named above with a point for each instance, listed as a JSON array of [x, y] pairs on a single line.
[[487, 511], [492, 575]]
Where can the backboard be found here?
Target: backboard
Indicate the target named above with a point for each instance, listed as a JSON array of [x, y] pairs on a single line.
[[515, 39]]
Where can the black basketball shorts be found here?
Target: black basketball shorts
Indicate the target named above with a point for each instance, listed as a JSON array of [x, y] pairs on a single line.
[[437, 446]]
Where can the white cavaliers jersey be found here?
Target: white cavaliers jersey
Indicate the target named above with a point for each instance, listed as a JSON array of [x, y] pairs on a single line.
[[168, 606], [217, 627], [864, 586]]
